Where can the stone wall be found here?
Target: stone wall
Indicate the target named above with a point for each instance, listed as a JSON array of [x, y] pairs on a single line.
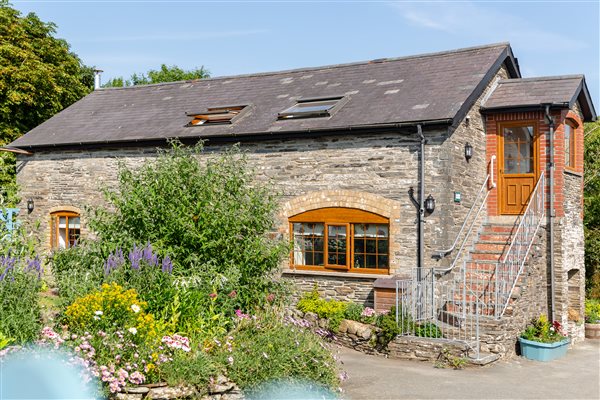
[[383, 166], [570, 271]]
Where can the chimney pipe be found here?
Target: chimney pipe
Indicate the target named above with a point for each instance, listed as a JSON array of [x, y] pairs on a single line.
[[97, 73]]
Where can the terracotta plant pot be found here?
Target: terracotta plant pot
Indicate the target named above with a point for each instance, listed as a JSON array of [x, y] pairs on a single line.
[[592, 331]]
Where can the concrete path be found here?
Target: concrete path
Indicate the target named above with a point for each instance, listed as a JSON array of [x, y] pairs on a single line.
[[576, 376]]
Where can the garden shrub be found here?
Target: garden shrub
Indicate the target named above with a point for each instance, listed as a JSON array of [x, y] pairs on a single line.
[[541, 330], [592, 311], [333, 310], [20, 283], [211, 218], [354, 311], [389, 327], [265, 349], [428, 329], [193, 368]]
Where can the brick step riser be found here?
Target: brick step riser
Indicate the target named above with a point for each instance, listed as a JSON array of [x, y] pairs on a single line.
[[485, 256], [482, 246], [494, 237]]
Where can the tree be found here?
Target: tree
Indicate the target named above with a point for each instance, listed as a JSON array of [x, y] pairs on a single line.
[[164, 74], [592, 208], [39, 77]]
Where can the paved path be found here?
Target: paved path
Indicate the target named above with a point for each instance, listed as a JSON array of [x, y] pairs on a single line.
[[576, 376]]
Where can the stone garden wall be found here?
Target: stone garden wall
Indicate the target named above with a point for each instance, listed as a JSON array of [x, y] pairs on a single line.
[[220, 389]]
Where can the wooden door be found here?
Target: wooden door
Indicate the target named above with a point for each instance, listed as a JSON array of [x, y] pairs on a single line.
[[518, 165]]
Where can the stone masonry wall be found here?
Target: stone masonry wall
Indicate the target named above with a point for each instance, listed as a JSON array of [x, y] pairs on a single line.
[[383, 165], [570, 272]]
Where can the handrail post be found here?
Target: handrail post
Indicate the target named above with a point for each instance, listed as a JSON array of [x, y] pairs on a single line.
[[497, 289]]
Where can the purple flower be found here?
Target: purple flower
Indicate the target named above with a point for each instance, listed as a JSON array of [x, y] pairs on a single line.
[[167, 265], [114, 261], [35, 265], [135, 256], [7, 263], [148, 256]]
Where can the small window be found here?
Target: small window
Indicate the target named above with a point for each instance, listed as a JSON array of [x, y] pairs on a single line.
[[216, 115], [65, 229], [340, 239], [311, 108], [569, 146]]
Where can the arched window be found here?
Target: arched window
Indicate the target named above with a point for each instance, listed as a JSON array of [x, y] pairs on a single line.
[[65, 228], [345, 239]]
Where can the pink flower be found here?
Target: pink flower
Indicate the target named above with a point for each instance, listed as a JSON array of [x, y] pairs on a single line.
[[230, 360], [233, 294], [271, 297], [241, 315], [212, 295], [137, 378], [368, 312]]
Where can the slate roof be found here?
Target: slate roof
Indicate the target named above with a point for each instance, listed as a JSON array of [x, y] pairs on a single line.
[[431, 87], [559, 91]]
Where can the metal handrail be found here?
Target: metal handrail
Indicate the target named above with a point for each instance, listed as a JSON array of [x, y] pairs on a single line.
[[538, 199], [490, 178], [442, 253]]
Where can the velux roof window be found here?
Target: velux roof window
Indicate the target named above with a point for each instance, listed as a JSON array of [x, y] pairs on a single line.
[[313, 107], [216, 115]]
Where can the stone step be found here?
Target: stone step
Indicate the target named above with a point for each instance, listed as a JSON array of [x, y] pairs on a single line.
[[485, 255], [495, 237], [482, 265], [490, 246], [498, 228]]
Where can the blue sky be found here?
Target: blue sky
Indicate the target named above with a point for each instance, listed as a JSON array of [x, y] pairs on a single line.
[[123, 37]]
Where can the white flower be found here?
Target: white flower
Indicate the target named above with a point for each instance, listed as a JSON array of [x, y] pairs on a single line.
[[96, 317], [135, 308], [132, 330], [98, 312]]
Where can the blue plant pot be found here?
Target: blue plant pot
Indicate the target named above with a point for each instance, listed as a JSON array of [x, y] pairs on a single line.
[[543, 351]]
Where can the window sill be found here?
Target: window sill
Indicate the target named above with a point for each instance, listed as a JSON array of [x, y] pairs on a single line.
[[573, 172], [288, 271]]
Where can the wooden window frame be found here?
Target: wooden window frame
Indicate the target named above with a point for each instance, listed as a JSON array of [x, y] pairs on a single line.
[[339, 216], [55, 228], [570, 163]]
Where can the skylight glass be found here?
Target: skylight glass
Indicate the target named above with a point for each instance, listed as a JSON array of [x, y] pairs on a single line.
[[216, 115], [310, 109]]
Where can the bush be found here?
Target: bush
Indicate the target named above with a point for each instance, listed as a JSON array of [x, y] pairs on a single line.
[[354, 311], [211, 218], [592, 311], [541, 330], [333, 310], [20, 283], [428, 329], [389, 327], [194, 368], [266, 349]]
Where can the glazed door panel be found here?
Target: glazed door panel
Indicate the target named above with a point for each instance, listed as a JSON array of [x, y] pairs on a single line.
[[518, 172]]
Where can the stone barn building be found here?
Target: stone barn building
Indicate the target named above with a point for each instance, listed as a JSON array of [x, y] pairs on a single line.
[[446, 168]]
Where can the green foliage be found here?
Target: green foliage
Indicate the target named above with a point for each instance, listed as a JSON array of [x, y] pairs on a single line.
[[389, 327], [447, 359], [592, 311], [592, 208], [333, 310], [39, 77], [212, 219], [5, 341], [354, 311], [541, 330], [20, 283], [193, 368], [164, 74], [265, 350], [428, 329]]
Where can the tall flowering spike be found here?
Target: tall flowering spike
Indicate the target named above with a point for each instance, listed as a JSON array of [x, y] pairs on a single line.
[[114, 261], [35, 265], [167, 265], [7, 263], [135, 256], [148, 255]]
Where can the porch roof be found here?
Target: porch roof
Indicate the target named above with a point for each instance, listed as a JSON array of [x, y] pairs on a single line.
[[558, 91]]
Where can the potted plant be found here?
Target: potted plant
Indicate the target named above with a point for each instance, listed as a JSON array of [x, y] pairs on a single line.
[[592, 319], [543, 341]]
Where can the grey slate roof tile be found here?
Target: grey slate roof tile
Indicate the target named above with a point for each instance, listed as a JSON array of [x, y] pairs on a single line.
[[442, 81]]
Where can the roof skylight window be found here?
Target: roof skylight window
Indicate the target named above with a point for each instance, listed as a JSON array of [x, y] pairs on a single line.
[[311, 108], [216, 115]]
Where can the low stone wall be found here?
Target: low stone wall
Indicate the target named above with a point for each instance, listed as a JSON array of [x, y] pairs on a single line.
[[368, 339], [220, 389]]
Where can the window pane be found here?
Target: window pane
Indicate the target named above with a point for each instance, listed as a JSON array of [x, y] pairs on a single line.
[[359, 261], [62, 222], [74, 222], [382, 246], [382, 262], [371, 261], [359, 245], [371, 246], [568, 145], [336, 245], [308, 243]]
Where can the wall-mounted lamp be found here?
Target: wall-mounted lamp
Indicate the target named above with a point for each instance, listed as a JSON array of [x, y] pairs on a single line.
[[429, 204], [468, 151], [30, 205]]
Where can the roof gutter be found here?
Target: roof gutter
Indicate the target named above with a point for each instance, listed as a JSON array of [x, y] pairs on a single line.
[[374, 128]]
